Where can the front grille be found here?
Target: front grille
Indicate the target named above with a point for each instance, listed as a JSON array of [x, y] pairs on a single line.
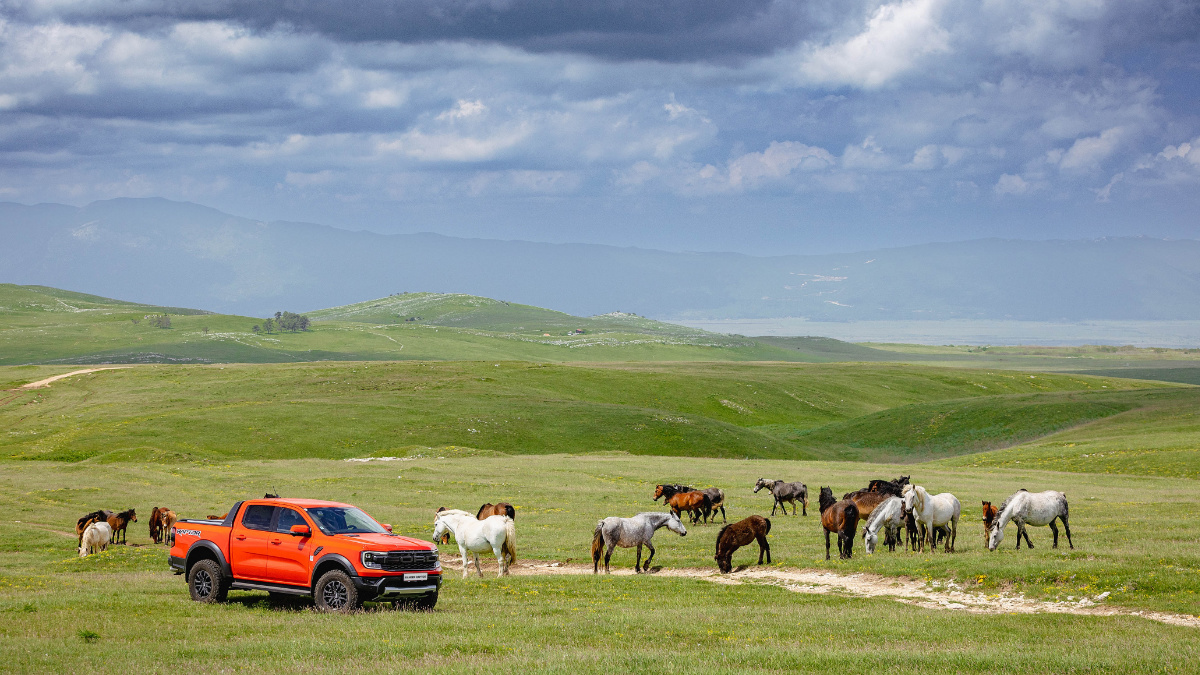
[[405, 561]]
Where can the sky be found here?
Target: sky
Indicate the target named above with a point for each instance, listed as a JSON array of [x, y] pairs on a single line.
[[760, 126]]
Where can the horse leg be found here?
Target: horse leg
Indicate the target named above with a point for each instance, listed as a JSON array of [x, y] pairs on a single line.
[[477, 567], [501, 560], [646, 566], [827, 544], [724, 520], [763, 547], [608, 555], [1054, 530], [773, 507], [1068, 529], [804, 507], [953, 536], [637, 564], [793, 507], [1025, 531]]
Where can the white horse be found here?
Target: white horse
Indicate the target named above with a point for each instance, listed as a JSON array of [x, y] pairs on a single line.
[[95, 539], [889, 517], [495, 533], [1029, 508], [933, 511], [629, 532]]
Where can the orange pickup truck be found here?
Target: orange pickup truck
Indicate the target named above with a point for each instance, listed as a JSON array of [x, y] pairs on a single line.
[[333, 552]]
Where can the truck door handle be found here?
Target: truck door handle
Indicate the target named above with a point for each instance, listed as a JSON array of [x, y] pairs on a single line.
[[275, 541], [240, 537]]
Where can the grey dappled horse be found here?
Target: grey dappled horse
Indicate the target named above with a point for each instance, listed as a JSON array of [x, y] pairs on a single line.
[[629, 532]]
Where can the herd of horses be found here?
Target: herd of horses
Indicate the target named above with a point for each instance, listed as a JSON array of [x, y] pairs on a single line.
[[102, 527]]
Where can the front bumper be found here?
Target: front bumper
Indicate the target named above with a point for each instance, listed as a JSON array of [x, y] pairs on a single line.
[[395, 587]]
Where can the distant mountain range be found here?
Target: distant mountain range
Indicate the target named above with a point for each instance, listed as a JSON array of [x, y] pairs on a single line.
[[171, 253]]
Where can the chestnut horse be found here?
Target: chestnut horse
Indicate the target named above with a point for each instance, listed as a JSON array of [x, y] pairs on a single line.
[[168, 518], [716, 497], [989, 517], [732, 537], [840, 517], [695, 503], [501, 509], [867, 501], [81, 525], [156, 532], [119, 521]]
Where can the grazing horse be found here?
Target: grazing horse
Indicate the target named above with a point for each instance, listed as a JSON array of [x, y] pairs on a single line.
[[629, 532], [784, 492], [81, 525], [95, 538], [933, 511], [840, 517], [716, 497], [888, 517], [989, 517], [695, 503], [501, 509], [495, 533], [1031, 508], [732, 537], [119, 521]]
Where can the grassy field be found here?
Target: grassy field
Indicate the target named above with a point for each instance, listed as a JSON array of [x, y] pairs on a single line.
[[1136, 538], [341, 410]]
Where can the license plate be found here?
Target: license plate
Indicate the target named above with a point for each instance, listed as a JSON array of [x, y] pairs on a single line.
[[417, 576]]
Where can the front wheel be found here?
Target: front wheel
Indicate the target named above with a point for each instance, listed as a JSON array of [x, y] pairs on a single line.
[[425, 603], [335, 592], [206, 583]]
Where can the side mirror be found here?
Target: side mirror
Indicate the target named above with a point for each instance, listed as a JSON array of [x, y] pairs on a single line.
[[387, 527], [301, 531]]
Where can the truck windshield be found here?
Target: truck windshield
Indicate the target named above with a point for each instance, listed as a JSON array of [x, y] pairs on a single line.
[[342, 520]]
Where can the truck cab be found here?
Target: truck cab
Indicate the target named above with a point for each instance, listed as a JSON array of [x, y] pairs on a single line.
[[331, 551]]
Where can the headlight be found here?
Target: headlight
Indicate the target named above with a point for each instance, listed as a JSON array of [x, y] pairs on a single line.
[[373, 560]]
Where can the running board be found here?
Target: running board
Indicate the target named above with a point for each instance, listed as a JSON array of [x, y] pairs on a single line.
[[250, 586]]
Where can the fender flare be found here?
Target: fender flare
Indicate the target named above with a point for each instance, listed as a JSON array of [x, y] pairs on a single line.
[[209, 546], [337, 558]]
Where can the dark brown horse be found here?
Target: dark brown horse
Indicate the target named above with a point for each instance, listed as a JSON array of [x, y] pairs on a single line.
[[989, 517], [156, 525], [695, 503], [840, 517], [119, 521], [716, 497], [867, 501], [892, 487], [100, 516], [739, 534], [501, 509]]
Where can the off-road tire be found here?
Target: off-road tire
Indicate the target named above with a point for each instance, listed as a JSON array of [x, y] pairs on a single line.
[[335, 592], [206, 583], [424, 603]]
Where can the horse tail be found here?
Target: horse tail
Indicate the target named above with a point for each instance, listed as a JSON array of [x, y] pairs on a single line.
[[851, 523], [512, 512], [510, 540], [768, 530], [598, 540]]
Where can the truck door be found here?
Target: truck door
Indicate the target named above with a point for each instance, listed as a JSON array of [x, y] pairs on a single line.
[[287, 554], [248, 542]]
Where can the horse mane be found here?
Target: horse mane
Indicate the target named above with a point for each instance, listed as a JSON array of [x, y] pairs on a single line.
[[1004, 504], [127, 514], [826, 499], [720, 534]]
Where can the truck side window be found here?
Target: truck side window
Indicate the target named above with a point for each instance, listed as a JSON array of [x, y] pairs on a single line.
[[258, 517], [288, 518]]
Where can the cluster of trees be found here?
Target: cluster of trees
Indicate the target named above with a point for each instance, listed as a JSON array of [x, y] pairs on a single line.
[[283, 321], [159, 320]]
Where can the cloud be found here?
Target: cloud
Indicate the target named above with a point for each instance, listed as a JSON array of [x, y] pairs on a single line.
[[1009, 184], [776, 162], [1088, 153]]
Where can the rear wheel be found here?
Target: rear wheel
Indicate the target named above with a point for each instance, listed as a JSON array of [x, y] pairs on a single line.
[[206, 583], [335, 592]]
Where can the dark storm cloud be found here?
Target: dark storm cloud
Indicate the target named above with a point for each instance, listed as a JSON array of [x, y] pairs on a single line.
[[670, 30]]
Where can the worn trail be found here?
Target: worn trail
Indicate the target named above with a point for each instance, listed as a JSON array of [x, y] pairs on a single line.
[[46, 382], [936, 595]]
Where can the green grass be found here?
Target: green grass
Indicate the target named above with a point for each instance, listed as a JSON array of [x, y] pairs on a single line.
[[339, 410], [1135, 537]]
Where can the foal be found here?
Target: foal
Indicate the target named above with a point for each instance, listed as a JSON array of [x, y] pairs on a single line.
[[732, 537], [989, 517], [840, 517]]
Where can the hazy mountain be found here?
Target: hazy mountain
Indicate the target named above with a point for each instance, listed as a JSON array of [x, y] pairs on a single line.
[[170, 253]]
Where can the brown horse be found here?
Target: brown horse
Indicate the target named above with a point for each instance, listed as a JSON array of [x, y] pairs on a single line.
[[739, 534], [155, 526], [119, 521], [840, 517], [501, 509], [866, 501], [989, 517], [168, 519], [100, 516], [695, 503]]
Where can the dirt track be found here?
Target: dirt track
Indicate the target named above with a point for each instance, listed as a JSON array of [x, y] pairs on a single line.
[[935, 595], [46, 382]]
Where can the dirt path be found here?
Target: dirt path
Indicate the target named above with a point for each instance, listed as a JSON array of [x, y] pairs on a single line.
[[936, 595], [40, 384]]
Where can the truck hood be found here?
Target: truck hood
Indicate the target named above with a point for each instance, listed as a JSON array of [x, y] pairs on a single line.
[[386, 542]]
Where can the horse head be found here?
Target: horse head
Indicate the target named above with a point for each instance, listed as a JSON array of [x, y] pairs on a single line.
[[762, 483], [826, 499], [996, 536], [675, 525], [869, 541], [441, 529], [658, 492]]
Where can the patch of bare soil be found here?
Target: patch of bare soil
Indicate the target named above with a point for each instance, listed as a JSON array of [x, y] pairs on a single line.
[[943, 595]]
